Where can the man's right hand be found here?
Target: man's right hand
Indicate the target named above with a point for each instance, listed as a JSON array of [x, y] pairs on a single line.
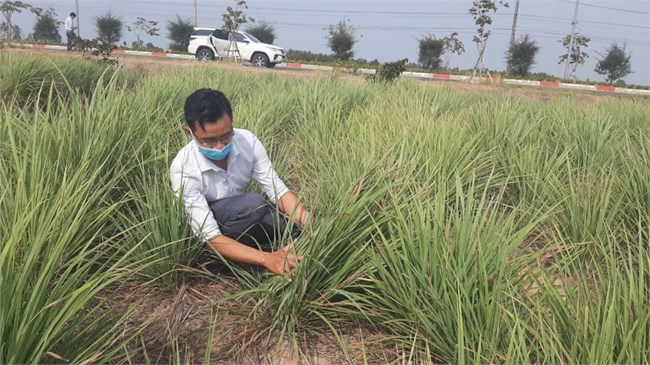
[[282, 261]]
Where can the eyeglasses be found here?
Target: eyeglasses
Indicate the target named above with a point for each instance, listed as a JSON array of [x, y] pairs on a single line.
[[212, 142]]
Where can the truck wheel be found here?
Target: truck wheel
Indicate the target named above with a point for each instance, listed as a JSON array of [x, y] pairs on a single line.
[[204, 54], [260, 60]]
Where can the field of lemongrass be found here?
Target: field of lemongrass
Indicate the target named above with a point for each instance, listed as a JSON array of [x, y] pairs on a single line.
[[448, 226]]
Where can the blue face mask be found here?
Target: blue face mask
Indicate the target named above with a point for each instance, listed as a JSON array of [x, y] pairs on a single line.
[[215, 154]]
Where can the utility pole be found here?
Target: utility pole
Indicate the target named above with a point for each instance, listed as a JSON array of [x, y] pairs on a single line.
[[512, 36], [573, 31], [78, 28], [196, 17]]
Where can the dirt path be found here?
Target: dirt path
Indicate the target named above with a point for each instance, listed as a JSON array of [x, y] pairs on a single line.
[[181, 318]]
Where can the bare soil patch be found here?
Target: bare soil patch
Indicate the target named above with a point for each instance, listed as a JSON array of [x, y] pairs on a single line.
[[181, 318]]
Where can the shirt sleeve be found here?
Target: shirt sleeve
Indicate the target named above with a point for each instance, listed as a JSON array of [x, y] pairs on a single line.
[[265, 174], [201, 218]]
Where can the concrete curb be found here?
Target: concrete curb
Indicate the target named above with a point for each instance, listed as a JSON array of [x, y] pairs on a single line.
[[419, 75], [154, 54], [116, 51]]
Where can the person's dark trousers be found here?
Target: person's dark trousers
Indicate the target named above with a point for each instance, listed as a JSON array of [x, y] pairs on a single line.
[[250, 219], [71, 37]]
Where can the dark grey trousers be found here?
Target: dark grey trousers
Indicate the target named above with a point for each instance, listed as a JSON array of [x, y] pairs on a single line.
[[250, 219]]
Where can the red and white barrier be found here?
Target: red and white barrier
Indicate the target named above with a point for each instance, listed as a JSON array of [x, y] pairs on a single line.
[[434, 76]]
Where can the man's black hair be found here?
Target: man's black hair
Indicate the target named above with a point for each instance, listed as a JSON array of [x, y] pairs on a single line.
[[206, 106], [73, 14]]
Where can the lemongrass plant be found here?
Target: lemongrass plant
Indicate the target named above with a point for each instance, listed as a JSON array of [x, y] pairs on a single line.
[[593, 308], [155, 220], [24, 76], [55, 256], [462, 226]]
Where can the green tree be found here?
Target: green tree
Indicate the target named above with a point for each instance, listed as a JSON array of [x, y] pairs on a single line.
[[430, 52], [521, 55], [578, 56], [614, 64], [179, 33], [341, 39], [8, 30], [263, 30], [140, 26], [480, 11], [47, 27], [451, 45], [233, 19], [389, 71], [109, 28]]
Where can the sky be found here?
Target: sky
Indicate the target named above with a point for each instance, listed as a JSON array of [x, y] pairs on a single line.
[[389, 30]]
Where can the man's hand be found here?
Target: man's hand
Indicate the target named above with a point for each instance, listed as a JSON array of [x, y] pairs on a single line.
[[282, 261]]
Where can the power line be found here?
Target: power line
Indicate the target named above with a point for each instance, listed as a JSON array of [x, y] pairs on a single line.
[[554, 19], [545, 18], [157, 4], [387, 27], [560, 20], [619, 25], [594, 39], [609, 8], [146, 7], [501, 31], [324, 11], [158, 10]]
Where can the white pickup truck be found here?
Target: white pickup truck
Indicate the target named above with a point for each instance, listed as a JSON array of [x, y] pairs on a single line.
[[208, 44]]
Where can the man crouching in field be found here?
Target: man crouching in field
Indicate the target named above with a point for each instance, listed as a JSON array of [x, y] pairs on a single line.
[[211, 172]]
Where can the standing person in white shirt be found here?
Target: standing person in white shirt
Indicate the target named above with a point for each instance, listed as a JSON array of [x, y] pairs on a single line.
[[211, 172], [69, 29]]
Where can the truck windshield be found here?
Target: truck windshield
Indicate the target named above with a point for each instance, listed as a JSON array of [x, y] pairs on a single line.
[[251, 37]]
